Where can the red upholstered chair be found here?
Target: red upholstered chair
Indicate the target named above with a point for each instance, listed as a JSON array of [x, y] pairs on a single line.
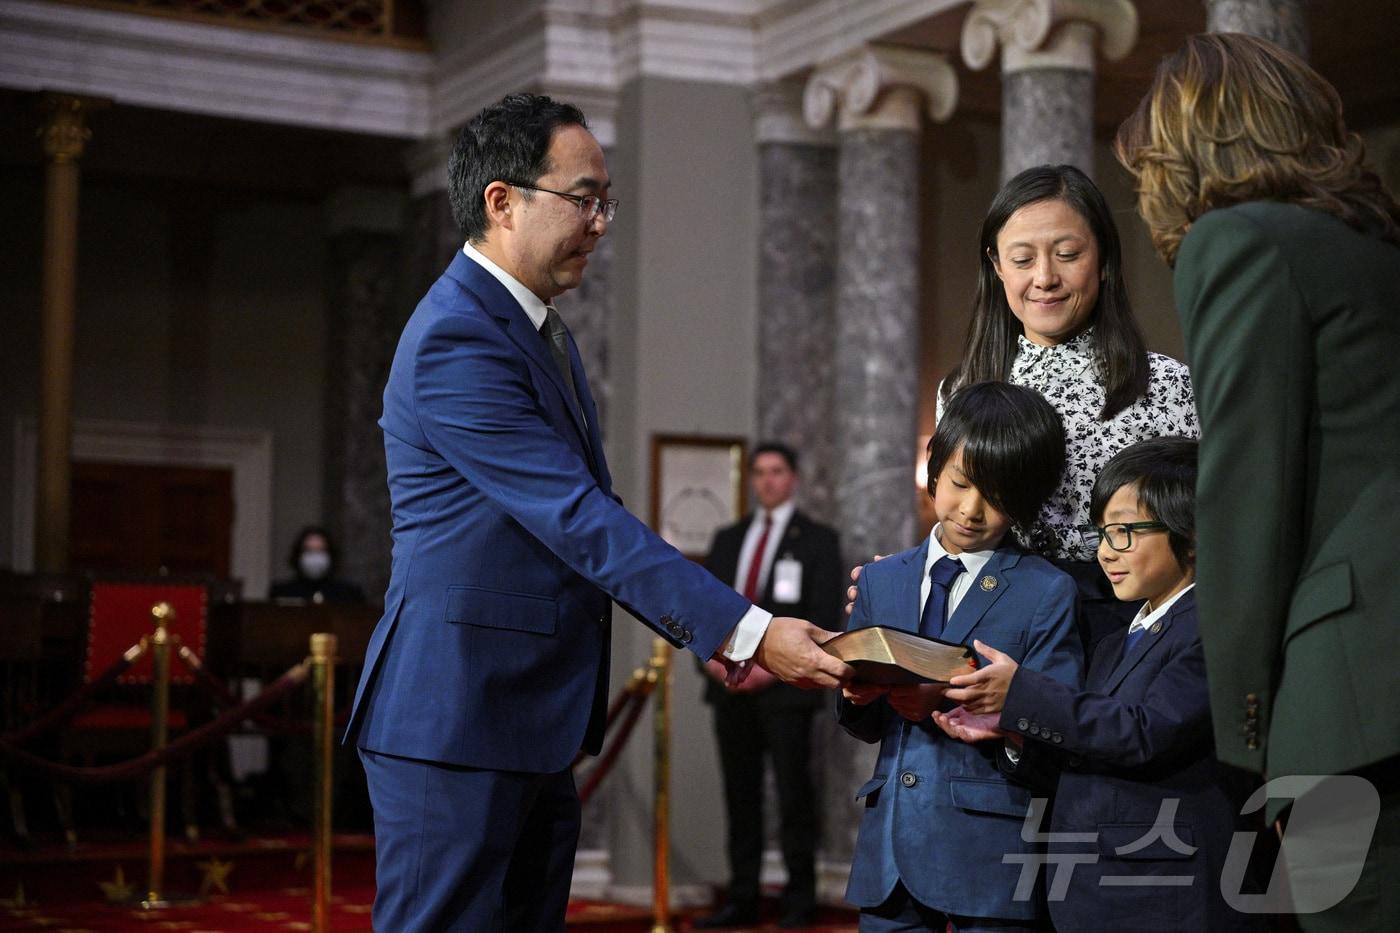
[[117, 725]]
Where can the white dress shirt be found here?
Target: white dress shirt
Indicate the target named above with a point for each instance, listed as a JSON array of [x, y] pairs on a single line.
[[781, 516], [1147, 615], [972, 561]]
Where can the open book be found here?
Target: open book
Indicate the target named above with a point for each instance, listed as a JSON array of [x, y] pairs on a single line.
[[892, 656]]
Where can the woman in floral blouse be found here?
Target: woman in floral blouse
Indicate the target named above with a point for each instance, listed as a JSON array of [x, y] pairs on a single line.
[[1052, 314]]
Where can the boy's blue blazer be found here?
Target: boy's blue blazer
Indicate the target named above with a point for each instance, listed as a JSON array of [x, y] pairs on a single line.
[[1139, 734], [939, 813]]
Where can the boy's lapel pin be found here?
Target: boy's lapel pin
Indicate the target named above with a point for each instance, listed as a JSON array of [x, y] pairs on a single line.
[[989, 583], [1156, 627]]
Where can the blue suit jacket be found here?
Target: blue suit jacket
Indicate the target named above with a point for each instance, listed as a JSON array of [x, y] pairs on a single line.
[[939, 813], [1139, 734], [507, 544]]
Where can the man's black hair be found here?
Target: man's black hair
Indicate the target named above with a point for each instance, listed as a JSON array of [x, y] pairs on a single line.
[[1013, 446], [775, 447], [1163, 471], [508, 141]]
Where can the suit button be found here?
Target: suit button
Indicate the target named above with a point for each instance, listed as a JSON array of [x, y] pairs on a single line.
[[908, 779], [1023, 724], [686, 636], [1035, 730], [1057, 738]]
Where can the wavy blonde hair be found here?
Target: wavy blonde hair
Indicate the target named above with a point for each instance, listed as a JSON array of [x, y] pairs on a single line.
[[1233, 118]]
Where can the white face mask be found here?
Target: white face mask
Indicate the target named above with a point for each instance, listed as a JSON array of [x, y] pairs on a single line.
[[314, 564]]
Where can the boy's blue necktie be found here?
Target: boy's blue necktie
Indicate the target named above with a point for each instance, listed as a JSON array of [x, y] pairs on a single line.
[[942, 573], [1133, 638]]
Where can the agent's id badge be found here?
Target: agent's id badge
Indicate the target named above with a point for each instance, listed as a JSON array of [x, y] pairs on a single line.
[[787, 581]]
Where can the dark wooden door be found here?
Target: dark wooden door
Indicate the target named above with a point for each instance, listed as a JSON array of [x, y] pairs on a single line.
[[131, 518]]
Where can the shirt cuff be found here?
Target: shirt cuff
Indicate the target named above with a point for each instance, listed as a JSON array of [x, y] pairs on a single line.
[[743, 641]]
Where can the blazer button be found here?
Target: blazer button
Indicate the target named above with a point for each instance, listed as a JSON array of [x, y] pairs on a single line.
[[1023, 724], [1057, 738], [686, 636], [908, 779], [1035, 730]]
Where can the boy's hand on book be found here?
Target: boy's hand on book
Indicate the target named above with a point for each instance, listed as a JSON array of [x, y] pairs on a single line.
[[958, 723], [863, 694], [917, 702], [984, 690], [854, 588], [791, 649]]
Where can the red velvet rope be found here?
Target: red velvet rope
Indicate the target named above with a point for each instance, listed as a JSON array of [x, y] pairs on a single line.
[[66, 710], [624, 696], [610, 754], [187, 743], [226, 699]]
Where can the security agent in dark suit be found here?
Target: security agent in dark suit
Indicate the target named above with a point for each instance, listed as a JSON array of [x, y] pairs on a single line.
[[790, 565]]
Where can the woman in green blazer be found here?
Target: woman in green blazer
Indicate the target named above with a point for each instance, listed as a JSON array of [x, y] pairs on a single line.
[[1286, 250]]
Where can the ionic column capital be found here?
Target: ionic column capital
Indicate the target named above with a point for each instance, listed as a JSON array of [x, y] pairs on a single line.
[[778, 117], [65, 130], [880, 87], [1047, 33]]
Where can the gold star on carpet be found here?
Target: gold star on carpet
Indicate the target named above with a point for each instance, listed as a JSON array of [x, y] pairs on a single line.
[[215, 875], [117, 891], [17, 900]]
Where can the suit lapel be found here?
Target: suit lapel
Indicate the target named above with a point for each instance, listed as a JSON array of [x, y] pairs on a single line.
[[992, 581], [1148, 642], [907, 584], [501, 304]]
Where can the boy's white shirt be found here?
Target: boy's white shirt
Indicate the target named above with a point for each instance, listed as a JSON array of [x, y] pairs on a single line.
[[972, 561], [1147, 615]]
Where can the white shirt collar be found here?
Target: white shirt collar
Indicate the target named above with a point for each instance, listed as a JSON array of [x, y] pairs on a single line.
[[781, 515], [534, 309], [1146, 617], [972, 561]]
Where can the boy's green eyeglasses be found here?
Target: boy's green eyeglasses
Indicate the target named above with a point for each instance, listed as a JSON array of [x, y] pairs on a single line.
[[1119, 536]]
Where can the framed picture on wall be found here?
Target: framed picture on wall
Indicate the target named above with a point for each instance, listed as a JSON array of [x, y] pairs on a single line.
[[697, 487]]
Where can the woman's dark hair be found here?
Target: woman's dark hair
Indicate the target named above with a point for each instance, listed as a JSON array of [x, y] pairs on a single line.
[[1163, 471], [300, 541], [991, 346], [508, 141], [1013, 446]]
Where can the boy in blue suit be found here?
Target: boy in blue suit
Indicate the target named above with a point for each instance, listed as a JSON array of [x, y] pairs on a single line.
[[1138, 780], [939, 814]]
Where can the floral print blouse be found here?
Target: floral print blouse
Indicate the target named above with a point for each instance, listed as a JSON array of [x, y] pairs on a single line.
[[1068, 376]]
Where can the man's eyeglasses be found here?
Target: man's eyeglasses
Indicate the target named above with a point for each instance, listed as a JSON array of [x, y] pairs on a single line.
[[589, 205], [1118, 536]]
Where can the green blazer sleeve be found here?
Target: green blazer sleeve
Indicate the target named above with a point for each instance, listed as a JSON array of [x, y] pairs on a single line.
[[1291, 327], [1245, 330]]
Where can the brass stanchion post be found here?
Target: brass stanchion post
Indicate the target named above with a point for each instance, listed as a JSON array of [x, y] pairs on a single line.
[[323, 648], [661, 888], [163, 614]]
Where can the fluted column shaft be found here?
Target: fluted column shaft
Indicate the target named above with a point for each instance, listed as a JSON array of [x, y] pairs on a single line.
[[1282, 22], [64, 134]]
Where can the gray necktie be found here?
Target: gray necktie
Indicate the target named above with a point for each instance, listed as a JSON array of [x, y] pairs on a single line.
[[553, 330]]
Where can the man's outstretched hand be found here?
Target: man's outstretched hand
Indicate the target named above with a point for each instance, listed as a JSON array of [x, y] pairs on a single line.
[[791, 649]]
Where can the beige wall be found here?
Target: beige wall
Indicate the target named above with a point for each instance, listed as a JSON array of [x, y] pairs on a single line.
[[682, 358]]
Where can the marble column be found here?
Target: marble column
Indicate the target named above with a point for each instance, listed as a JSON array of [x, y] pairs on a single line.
[[1282, 22], [879, 96], [430, 235], [1047, 61], [363, 320], [64, 134], [797, 288]]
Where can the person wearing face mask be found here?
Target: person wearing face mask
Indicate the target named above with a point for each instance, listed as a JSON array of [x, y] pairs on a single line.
[[313, 562], [1052, 314]]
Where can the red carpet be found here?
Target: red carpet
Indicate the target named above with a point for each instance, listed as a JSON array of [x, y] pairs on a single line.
[[260, 883]]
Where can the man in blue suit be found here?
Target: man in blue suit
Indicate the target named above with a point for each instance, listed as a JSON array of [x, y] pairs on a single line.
[[489, 669]]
